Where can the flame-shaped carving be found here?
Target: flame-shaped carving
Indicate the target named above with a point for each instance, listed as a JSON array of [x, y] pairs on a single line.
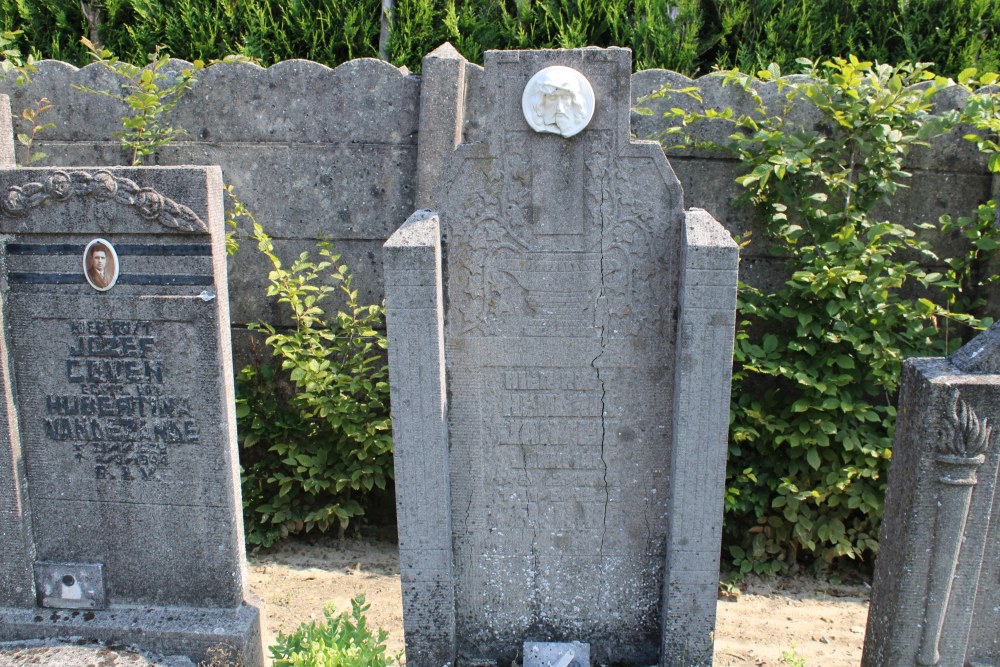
[[959, 455], [969, 435]]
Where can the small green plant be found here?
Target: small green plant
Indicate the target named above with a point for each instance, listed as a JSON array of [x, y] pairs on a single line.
[[238, 218], [791, 657], [11, 60], [341, 640], [319, 450], [150, 93], [729, 585], [31, 117]]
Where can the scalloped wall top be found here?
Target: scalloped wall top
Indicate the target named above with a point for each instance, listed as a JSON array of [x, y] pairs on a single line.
[[361, 101], [950, 152]]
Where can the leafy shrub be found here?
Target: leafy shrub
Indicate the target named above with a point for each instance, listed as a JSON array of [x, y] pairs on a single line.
[[818, 361], [813, 441], [974, 272], [314, 454], [51, 28], [327, 31], [341, 641], [750, 34]]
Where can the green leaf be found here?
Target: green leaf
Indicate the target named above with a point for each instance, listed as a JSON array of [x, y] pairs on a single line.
[[994, 162], [966, 75], [813, 458], [844, 361]]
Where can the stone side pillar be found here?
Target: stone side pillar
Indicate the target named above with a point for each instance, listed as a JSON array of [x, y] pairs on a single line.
[[415, 323], [16, 553], [442, 109], [6, 134], [17, 587], [698, 456]]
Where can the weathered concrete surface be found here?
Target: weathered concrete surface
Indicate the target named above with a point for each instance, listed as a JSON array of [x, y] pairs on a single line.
[[47, 654], [120, 436], [169, 631], [935, 593], [578, 512], [703, 367]]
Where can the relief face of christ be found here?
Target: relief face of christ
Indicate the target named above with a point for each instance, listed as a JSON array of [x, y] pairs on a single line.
[[559, 100], [100, 265]]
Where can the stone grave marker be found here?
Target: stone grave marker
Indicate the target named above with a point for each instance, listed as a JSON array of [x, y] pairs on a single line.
[[120, 512], [560, 348], [936, 593]]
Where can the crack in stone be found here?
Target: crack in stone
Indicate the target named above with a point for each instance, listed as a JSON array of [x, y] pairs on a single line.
[[533, 589], [593, 364], [604, 462]]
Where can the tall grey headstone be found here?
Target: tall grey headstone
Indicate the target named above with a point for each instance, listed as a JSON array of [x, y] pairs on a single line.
[[120, 512], [936, 593], [560, 349]]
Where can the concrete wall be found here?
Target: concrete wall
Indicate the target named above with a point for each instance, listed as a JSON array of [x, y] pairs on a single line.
[[320, 153], [314, 153]]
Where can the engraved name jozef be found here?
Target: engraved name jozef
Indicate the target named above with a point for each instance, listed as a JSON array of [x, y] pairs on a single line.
[[117, 410]]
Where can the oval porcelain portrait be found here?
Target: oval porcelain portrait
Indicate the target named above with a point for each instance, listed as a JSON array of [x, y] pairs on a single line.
[[100, 264]]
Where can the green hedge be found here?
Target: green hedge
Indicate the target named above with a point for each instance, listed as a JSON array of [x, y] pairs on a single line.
[[327, 31], [689, 36], [660, 34], [952, 34]]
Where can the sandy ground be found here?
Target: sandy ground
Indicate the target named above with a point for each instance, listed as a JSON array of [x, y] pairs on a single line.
[[791, 622]]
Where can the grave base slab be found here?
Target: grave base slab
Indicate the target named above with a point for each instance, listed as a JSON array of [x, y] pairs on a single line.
[[165, 630]]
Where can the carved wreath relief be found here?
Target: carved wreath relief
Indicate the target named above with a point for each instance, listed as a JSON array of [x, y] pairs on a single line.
[[19, 200], [558, 99], [100, 265]]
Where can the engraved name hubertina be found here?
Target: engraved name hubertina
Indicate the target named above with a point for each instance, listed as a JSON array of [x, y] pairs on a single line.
[[118, 412]]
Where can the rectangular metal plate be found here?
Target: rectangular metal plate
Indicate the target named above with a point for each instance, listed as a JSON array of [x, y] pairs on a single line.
[[556, 654], [70, 585]]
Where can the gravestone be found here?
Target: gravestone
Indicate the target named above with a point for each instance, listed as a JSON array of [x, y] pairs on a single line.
[[560, 349], [936, 593], [120, 511]]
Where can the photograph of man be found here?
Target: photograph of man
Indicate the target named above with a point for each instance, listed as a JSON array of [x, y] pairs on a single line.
[[100, 264]]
